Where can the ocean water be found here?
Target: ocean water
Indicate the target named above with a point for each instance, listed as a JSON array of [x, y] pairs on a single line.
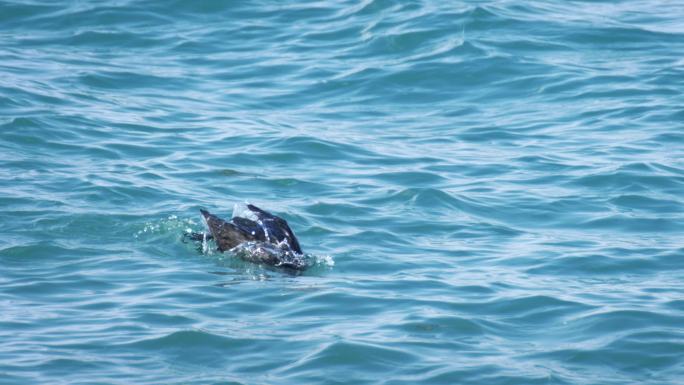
[[493, 191]]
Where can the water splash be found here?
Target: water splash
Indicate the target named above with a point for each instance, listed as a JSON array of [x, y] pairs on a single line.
[[205, 244], [323, 260], [241, 210], [260, 252], [256, 252], [170, 225]]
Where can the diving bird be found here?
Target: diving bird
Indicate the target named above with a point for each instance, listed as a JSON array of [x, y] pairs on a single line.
[[268, 239]]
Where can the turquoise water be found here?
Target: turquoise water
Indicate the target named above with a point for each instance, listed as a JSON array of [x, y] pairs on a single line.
[[493, 191]]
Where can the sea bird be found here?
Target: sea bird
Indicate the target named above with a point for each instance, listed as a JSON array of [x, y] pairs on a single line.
[[268, 239]]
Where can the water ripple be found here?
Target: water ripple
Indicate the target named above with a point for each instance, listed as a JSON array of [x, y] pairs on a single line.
[[493, 192]]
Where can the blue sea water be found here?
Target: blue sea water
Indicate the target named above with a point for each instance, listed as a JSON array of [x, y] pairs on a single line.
[[493, 191]]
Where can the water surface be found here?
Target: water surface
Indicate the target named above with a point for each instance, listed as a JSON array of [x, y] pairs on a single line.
[[494, 190]]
